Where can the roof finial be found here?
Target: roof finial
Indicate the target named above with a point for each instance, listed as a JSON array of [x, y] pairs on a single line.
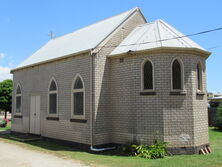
[[51, 35]]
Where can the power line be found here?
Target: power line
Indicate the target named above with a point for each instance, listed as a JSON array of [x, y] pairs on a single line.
[[179, 37], [214, 47]]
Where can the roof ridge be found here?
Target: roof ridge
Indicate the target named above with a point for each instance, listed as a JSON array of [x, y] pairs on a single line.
[[159, 33], [139, 38], [176, 33], [130, 11]]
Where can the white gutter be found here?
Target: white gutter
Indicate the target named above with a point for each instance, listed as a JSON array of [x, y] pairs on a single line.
[[92, 54], [187, 50]]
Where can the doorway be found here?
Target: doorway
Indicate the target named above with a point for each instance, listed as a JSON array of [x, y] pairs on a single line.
[[35, 115]]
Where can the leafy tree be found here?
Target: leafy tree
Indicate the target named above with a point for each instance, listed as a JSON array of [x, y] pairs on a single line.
[[6, 96], [218, 118]]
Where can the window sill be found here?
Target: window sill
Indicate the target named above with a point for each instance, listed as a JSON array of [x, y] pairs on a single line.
[[17, 116], [144, 93], [201, 93], [52, 118], [78, 120], [178, 93]]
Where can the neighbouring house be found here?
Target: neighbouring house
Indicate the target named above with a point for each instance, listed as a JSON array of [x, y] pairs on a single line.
[[212, 95], [121, 80]]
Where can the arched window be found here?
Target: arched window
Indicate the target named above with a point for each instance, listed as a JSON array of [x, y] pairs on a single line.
[[177, 75], [78, 96], [18, 99], [53, 97], [147, 76], [199, 76]]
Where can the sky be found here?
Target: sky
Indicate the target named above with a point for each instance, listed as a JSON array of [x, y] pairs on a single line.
[[25, 25]]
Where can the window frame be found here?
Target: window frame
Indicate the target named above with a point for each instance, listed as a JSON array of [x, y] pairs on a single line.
[[182, 75], [73, 116], [18, 95], [142, 76], [201, 77], [53, 92]]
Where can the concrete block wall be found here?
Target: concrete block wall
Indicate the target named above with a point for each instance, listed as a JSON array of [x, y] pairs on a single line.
[[134, 117], [35, 81], [102, 122], [177, 119], [200, 106], [178, 109]]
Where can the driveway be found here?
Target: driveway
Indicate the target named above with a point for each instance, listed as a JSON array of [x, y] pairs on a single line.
[[15, 156]]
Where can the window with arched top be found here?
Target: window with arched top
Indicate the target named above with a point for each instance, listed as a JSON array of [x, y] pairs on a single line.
[[53, 98], [78, 96], [147, 76], [177, 75], [18, 100], [199, 77]]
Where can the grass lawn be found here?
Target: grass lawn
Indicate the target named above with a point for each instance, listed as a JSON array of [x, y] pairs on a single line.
[[8, 127], [211, 160]]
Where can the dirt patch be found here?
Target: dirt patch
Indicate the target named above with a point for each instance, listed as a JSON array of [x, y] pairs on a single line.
[[13, 155]]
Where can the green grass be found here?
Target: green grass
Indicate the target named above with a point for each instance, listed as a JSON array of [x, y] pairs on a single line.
[[8, 127], [106, 159]]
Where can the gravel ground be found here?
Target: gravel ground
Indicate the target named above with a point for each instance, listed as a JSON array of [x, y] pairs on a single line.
[[15, 156]]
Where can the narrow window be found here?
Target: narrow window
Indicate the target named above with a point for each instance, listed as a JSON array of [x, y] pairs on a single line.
[[148, 75], [53, 97], [199, 76], [78, 97], [18, 99], [177, 75]]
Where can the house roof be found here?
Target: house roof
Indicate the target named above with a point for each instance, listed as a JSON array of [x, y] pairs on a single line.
[[76, 42], [217, 98], [157, 34]]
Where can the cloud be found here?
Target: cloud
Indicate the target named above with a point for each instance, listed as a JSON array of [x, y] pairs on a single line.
[[5, 70], [5, 73], [2, 55]]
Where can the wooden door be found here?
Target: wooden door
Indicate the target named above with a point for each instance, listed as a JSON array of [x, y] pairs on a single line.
[[35, 115]]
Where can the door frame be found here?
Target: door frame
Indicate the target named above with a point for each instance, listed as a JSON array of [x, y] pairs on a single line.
[[34, 94]]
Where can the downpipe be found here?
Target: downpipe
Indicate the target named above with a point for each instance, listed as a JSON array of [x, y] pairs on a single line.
[[101, 149], [92, 148]]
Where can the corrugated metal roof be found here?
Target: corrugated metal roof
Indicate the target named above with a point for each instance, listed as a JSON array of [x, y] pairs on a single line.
[[77, 41], [215, 98], [153, 35]]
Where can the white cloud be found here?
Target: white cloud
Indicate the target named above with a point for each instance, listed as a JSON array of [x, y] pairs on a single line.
[[5, 70], [5, 73], [2, 55]]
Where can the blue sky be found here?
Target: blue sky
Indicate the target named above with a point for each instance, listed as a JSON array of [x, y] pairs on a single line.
[[24, 25]]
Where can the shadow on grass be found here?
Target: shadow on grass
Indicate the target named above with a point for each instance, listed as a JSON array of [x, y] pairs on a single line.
[[216, 129], [54, 146]]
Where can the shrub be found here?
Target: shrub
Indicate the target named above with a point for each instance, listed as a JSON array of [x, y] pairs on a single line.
[[218, 118], [3, 123], [157, 150]]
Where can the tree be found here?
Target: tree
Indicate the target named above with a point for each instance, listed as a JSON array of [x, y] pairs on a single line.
[[218, 118], [6, 96]]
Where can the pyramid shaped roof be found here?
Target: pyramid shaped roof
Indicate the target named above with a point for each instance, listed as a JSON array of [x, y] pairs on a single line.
[[157, 34]]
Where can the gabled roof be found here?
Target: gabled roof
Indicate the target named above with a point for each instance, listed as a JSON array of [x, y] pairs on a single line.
[[157, 34], [78, 41]]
